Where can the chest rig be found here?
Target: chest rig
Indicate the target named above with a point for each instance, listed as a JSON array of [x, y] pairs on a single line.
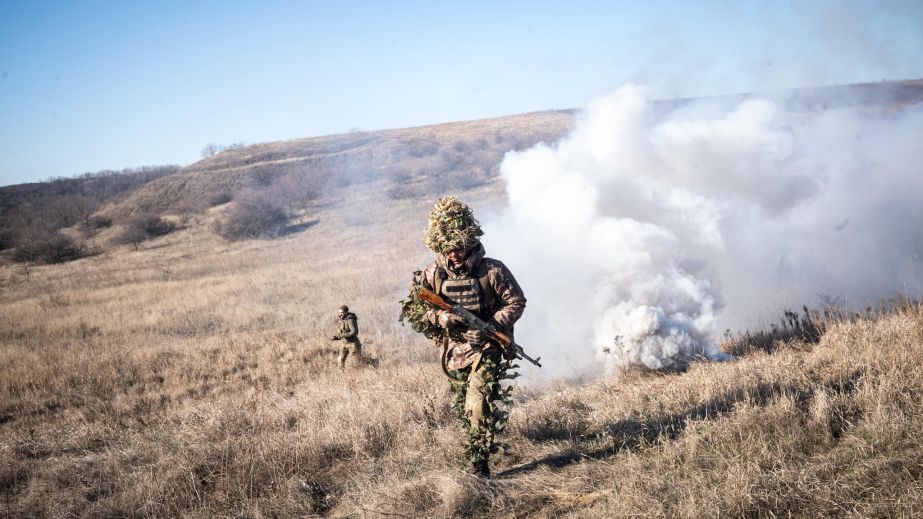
[[473, 293]]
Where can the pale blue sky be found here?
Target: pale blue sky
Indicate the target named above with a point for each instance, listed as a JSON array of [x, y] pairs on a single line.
[[93, 85]]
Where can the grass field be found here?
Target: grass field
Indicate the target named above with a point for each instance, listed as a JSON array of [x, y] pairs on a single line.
[[193, 378]]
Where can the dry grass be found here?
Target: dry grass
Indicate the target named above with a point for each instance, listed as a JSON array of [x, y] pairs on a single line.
[[192, 378], [413, 162]]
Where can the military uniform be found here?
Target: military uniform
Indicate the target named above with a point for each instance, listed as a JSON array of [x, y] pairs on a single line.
[[500, 301], [348, 333], [487, 288]]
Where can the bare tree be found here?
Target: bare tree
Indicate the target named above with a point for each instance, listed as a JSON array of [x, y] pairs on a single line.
[[210, 149], [67, 210]]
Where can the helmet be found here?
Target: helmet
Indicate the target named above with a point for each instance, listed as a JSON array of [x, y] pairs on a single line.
[[451, 226], [344, 308]]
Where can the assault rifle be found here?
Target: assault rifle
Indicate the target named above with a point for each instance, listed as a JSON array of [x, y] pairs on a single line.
[[475, 322]]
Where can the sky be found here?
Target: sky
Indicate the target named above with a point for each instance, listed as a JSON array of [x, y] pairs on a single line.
[[93, 85]]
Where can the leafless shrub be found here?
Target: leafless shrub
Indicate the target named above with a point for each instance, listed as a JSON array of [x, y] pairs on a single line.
[[7, 239], [144, 227], [133, 236], [806, 328], [263, 176], [254, 214], [293, 191], [211, 149], [91, 225], [100, 222], [185, 211], [153, 225], [221, 198], [54, 248]]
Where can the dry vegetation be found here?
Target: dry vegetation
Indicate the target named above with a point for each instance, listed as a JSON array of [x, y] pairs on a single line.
[[404, 164], [189, 376]]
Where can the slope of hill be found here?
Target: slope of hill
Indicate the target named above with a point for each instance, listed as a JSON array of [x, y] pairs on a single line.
[[421, 161], [194, 377], [405, 163]]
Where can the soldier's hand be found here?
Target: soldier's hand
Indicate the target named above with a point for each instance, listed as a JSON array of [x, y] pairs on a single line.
[[448, 319], [475, 337]]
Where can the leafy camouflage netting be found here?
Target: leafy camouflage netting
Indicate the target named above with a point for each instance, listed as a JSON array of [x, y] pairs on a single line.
[[451, 226], [481, 441], [413, 311]]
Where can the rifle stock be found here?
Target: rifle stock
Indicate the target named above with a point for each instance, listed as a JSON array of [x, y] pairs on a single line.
[[432, 298], [475, 322]]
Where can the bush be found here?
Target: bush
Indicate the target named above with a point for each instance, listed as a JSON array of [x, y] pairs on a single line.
[[99, 222], [219, 199], [293, 191], [144, 227], [153, 225], [52, 249], [253, 215], [7, 239], [93, 224]]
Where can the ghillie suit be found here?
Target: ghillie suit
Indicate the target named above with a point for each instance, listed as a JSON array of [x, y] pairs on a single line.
[[475, 366]]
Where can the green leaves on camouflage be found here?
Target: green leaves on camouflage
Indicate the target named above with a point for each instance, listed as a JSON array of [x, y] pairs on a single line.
[[413, 311], [480, 442], [451, 226]]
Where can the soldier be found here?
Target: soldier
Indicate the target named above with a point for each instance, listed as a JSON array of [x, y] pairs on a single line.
[[348, 332], [475, 366]]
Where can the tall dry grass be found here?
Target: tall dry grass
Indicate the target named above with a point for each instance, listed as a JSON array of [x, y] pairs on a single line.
[[193, 378]]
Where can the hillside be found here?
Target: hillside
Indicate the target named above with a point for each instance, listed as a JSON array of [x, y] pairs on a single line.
[[406, 163], [401, 163], [192, 376], [423, 161]]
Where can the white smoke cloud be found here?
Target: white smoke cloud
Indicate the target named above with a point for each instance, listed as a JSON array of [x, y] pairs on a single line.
[[642, 234]]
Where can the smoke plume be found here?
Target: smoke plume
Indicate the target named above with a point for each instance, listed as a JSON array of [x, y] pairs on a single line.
[[643, 234]]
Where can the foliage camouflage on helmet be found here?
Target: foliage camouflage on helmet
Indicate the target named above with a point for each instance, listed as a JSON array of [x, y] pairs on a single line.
[[451, 226]]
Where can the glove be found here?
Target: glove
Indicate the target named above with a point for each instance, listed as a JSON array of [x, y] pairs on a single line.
[[335, 338], [475, 337], [448, 319]]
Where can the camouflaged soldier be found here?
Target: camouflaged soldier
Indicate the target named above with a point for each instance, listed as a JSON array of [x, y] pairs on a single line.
[[348, 333], [462, 274]]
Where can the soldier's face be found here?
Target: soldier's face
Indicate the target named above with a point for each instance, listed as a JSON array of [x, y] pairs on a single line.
[[341, 314], [457, 256]]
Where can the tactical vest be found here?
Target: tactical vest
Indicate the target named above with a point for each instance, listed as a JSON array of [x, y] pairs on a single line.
[[342, 327], [472, 293]]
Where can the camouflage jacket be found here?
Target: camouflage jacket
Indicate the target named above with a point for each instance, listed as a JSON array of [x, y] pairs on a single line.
[[348, 329], [508, 302]]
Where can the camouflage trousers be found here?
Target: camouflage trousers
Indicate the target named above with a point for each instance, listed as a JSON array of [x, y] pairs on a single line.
[[350, 347], [476, 403]]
